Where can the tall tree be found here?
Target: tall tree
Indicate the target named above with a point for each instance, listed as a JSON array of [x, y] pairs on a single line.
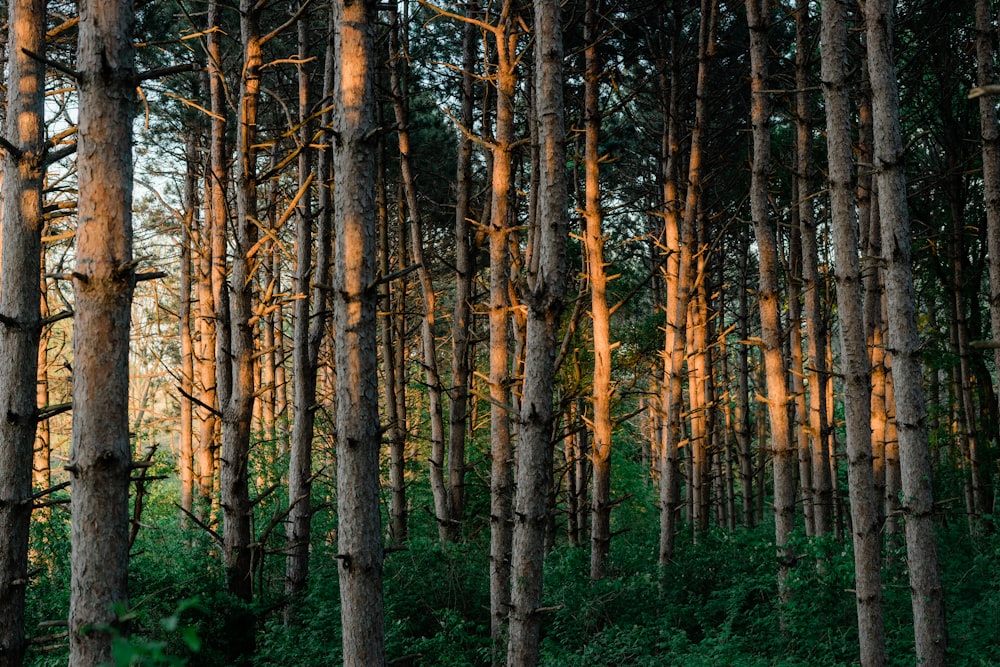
[[465, 268], [864, 498], [310, 313], [20, 310], [547, 278], [758, 16], [359, 538], [600, 533], [104, 278], [917, 501], [400, 103]]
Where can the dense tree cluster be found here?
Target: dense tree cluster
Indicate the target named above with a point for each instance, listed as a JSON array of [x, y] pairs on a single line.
[[699, 291]]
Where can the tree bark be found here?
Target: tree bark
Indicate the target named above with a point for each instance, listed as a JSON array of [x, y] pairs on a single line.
[[917, 502], [310, 318], [864, 499], [501, 452], [600, 533], [986, 74], [235, 366], [546, 285], [465, 269], [20, 304], [432, 379], [104, 279], [359, 539], [768, 295]]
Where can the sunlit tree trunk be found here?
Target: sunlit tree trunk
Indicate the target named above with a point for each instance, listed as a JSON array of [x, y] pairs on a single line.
[[188, 224], [600, 532], [20, 309], [235, 367], [865, 501], [359, 538], [546, 287], [501, 452], [917, 502], [675, 325], [800, 427], [768, 295], [104, 278]]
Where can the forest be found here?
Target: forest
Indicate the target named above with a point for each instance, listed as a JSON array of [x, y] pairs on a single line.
[[499, 332]]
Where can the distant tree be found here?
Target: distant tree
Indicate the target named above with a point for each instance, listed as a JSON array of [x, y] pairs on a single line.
[[104, 278]]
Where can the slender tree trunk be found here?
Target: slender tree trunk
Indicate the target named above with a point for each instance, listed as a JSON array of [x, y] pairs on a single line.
[[675, 327], [546, 292], [310, 318], [359, 537], [986, 74], [821, 485], [769, 297], [104, 278], [600, 533], [917, 501], [501, 452], [864, 498], [439, 488], [188, 224], [235, 367], [20, 304], [465, 269], [743, 426]]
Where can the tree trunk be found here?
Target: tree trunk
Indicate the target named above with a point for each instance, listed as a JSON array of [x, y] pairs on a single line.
[[465, 269], [986, 74], [432, 379], [188, 224], [600, 533], [769, 297], [359, 538], [547, 279], [103, 283], [20, 304], [821, 483], [864, 499], [501, 452], [917, 501], [235, 367], [310, 318]]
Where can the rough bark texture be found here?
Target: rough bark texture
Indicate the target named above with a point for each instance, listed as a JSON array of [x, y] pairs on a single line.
[[857, 371], [100, 458], [770, 316], [917, 502], [546, 291], [359, 538], [20, 301], [501, 452]]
